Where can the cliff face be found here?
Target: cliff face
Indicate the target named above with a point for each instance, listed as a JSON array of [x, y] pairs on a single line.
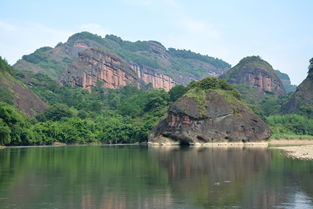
[[95, 66], [98, 66], [257, 73], [148, 75], [203, 116], [150, 62]]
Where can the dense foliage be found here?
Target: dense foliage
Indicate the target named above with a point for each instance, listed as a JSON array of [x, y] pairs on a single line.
[[123, 115], [187, 54], [75, 116], [286, 126]]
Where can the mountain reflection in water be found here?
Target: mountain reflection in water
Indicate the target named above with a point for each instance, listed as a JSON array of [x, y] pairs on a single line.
[[140, 177]]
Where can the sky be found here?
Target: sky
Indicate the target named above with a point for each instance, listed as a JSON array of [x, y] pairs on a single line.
[[279, 31]]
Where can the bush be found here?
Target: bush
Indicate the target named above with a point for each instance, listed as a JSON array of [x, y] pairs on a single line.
[[214, 83], [290, 124]]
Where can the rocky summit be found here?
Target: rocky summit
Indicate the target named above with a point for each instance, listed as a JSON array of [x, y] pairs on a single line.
[[87, 58], [257, 73], [211, 111]]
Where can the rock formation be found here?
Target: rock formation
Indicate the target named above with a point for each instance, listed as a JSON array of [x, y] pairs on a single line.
[[95, 65], [71, 62], [203, 116], [257, 73]]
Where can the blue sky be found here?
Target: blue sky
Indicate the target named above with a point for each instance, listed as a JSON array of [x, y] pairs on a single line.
[[280, 31]]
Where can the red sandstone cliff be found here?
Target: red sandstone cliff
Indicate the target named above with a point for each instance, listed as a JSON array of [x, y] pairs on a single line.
[[257, 73], [95, 66]]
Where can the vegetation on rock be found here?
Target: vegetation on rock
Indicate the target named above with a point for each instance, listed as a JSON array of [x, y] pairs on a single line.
[[150, 54]]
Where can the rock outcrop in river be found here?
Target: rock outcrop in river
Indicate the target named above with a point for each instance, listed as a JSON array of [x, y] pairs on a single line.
[[211, 111]]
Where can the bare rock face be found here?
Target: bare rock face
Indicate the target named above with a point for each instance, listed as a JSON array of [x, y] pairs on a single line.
[[157, 80], [151, 62], [214, 118], [257, 73], [96, 65]]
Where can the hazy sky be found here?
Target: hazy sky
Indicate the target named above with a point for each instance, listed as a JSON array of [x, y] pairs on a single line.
[[280, 31]]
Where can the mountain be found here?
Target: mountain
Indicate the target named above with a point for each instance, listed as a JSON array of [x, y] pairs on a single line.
[[286, 81], [211, 111], [256, 73], [87, 58], [15, 93], [302, 99]]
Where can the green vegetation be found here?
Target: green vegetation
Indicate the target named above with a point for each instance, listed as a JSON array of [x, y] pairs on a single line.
[[4, 66], [150, 54], [123, 115], [248, 64], [42, 58], [290, 126], [14, 127], [6, 96], [187, 54], [212, 83], [176, 92]]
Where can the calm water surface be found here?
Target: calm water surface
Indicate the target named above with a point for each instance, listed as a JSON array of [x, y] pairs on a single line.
[[119, 177]]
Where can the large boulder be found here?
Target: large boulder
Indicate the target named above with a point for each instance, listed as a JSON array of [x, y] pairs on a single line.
[[203, 116]]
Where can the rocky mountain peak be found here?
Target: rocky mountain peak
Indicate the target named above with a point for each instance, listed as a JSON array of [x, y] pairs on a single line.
[[257, 73]]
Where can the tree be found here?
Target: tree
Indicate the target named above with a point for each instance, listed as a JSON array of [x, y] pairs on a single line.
[[176, 92], [55, 113], [5, 137]]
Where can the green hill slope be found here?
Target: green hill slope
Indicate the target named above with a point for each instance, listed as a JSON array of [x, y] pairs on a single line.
[[15, 93]]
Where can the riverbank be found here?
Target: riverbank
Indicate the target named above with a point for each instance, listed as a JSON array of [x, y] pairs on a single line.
[[301, 152], [2, 147], [213, 144], [301, 149], [289, 142]]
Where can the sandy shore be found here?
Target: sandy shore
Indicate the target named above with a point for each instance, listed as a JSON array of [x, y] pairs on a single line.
[[303, 152], [288, 142], [294, 148], [2, 147]]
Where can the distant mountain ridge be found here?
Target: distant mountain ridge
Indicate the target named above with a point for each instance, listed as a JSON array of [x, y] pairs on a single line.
[[285, 79], [124, 62]]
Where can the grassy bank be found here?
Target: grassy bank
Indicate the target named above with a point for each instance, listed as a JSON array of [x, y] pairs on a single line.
[[290, 136]]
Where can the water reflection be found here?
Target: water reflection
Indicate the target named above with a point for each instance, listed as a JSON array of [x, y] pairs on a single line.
[[141, 177]]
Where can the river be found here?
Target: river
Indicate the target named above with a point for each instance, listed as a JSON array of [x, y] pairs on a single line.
[[122, 177]]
